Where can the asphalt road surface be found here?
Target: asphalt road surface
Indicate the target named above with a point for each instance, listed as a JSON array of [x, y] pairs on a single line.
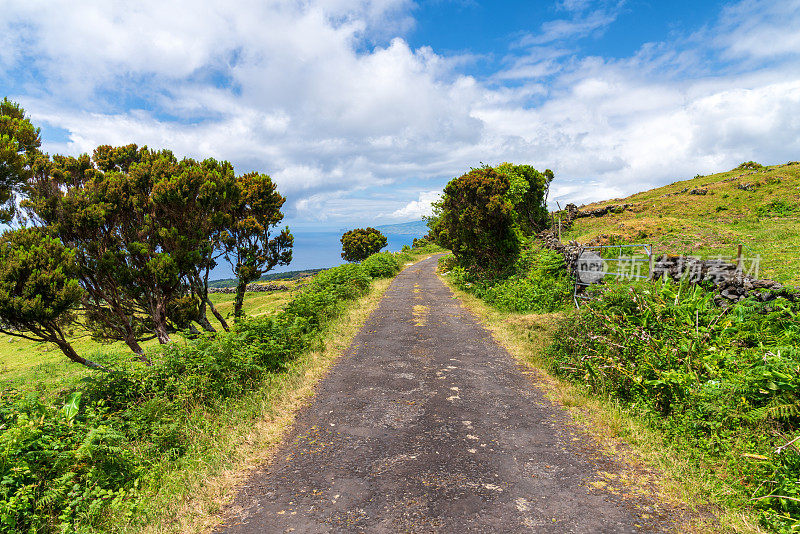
[[426, 424]]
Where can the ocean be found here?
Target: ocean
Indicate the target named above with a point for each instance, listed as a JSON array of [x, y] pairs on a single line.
[[317, 249]]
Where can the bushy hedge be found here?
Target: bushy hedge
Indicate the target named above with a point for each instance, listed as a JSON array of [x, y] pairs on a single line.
[[382, 265], [65, 466], [724, 384], [539, 283]]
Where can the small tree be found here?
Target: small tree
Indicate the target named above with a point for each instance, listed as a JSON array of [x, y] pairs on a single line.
[[477, 221], [361, 243], [39, 293], [19, 145], [250, 246]]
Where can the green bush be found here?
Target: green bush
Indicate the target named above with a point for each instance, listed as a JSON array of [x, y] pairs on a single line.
[[749, 165], [722, 383], [779, 208], [66, 466], [539, 284], [381, 265]]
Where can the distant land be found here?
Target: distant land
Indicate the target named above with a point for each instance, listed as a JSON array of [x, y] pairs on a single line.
[[269, 277], [413, 228]]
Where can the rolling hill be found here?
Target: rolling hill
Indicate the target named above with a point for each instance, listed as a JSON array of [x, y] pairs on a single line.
[[708, 216]]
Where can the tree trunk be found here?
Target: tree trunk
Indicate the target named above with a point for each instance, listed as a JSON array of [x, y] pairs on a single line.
[[203, 321], [202, 317], [133, 344], [159, 315], [219, 316], [70, 353], [241, 287]]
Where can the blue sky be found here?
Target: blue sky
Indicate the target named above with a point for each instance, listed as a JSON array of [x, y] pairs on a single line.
[[362, 110]]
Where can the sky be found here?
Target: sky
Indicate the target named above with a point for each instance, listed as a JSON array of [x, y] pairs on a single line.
[[362, 110]]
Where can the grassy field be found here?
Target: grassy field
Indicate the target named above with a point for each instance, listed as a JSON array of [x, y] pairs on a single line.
[[41, 367], [756, 207]]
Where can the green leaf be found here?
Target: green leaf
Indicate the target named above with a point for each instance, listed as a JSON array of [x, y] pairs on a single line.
[[72, 405]]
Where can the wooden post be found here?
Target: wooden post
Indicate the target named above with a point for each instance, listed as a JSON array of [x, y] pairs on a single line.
[[739, 259], [652, 263], [559, 228]]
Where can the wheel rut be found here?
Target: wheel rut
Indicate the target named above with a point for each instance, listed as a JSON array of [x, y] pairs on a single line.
[[426, 424]]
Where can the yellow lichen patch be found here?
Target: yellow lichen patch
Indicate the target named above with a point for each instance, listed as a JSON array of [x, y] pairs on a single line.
[[420, 315]]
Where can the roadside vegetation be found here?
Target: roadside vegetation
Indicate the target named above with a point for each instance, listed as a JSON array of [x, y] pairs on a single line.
[[110, 452], [715, 389]]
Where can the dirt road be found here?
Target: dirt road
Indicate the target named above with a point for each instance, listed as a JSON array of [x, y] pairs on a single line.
[[427, 425]]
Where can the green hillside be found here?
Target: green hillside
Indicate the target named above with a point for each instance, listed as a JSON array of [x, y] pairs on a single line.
[[708, 216]]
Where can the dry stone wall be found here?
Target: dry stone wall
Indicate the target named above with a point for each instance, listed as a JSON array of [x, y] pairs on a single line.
[[729, 280], [251, 288]]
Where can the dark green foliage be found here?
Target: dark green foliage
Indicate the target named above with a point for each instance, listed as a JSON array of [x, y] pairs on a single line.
[[528, 194], [39, 291], [722, 383], [361, 243], [484, 214], [477, 220], [19, 146], [779, 208], [65, 466], [537, 284], [147, 229], [251, 246], [381, 265]]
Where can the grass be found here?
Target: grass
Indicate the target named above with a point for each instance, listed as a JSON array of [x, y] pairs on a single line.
[[648, 467], [765, 219], [41, 367]]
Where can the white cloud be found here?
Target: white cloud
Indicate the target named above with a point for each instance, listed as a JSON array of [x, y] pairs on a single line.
[[302, 91], [417, 209]]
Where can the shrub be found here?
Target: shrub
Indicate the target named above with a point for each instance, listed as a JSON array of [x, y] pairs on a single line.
[[381, 265], [528, 194], [724, 383], [539, 283], [778, 208], [478, 222], [750, 165]]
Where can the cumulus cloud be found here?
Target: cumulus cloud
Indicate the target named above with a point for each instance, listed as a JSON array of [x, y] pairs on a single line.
[[417, 209], [327, 96]]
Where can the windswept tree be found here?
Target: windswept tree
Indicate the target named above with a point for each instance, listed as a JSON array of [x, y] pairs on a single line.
[[361, 243], [147, 228], [194, 205], [251, 245], [69, 196], [39, 291], [19, 146], [131, 214]]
